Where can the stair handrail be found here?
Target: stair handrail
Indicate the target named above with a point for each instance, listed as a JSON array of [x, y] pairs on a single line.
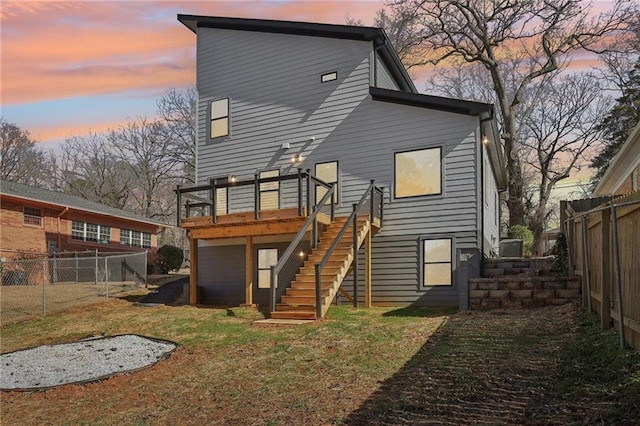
[[371, 190], [311, 220]]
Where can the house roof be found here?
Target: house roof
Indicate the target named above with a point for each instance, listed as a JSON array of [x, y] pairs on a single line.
[[60, 199], [622, 165], [376, 35], [457, 106]]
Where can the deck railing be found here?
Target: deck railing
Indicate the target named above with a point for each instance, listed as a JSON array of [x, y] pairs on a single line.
[[374, 206], [294, 190], [290, 261]]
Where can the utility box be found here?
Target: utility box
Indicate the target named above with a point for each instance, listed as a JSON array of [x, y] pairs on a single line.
[[511, 248]]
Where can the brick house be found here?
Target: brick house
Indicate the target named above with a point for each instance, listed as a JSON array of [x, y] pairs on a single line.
[[39, 221]]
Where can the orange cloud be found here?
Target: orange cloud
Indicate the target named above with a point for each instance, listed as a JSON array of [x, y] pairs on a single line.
[[55, 50]]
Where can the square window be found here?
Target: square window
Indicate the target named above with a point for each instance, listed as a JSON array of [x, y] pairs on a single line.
[[32, 216], [146, 240], [77, 230], [125, 237], [219, 110], [437, 261], [418, 173], [327, 172], [266, 258]]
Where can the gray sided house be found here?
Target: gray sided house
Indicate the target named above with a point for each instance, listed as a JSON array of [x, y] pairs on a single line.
[[297, 123]]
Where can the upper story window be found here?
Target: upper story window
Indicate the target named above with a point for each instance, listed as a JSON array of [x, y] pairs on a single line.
[[132, 238], [330, 76], [418, 172], [90, 232], [32, 216], [219, 111], [327, 172]]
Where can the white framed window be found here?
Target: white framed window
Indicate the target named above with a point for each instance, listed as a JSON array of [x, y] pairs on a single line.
[[91, 232], [219, 112], [132, 238], [32, 216], [269, 191], [418, 172], [327, 172], [436, 259], [267, 257]]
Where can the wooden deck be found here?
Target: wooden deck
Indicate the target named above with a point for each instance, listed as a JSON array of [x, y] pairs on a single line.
[[272, 222]]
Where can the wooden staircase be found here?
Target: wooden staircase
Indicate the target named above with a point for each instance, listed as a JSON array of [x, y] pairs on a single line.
[[299, 300]]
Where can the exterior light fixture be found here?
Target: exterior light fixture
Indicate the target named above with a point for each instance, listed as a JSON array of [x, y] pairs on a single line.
[[297, 158], [301, 253], [233, 178], [485, 140]]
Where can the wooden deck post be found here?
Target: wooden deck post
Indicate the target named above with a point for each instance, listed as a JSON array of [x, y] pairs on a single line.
[[367, 267], [248, 271], [607, 276], [193, 273]]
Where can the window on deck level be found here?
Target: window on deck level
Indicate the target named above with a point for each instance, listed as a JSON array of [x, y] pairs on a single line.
[[269, 191], [418, 172], [327, 172]]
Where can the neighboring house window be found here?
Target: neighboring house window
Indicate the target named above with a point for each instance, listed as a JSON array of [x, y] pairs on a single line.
[[269, 191], [418, 172], [330, 76], [32, 216], [327, 172], [219, 110], [437, 261], [132, 238], [90, 232], [266, 258]]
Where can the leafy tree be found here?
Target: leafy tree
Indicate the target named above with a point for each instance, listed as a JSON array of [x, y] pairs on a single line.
[[168, 258], [617, 125], [534, 34]]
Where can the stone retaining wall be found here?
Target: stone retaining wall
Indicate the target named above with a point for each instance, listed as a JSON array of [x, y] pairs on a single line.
[[525, 292]]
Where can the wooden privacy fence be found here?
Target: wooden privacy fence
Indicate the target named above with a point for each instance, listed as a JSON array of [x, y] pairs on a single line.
[[604, 248]]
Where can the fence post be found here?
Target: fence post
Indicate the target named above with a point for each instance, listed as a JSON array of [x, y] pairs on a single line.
[[96, 269], [585, 260], [106, 277], [44, 293], [299, 191], [618, 273], [605, 304], [77, 267]]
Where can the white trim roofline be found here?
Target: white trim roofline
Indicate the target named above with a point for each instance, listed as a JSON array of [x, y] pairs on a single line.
[[622, 165]]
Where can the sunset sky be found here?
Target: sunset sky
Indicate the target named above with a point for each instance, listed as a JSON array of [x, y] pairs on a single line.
[[68, 68], [73, 67]]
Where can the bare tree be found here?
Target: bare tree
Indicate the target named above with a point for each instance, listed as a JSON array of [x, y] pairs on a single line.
[[533, 33], [144, 146], [91, 169], [21, 160], [178, 111], [560, 127]]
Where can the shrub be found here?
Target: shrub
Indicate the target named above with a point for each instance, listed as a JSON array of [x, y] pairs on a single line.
[[168, 258], [523, 233], [560, 251]]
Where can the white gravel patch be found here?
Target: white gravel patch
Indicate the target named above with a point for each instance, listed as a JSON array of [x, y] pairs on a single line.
[[83, 361]]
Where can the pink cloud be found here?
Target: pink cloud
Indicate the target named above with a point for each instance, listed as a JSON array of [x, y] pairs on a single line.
[[55, 50]]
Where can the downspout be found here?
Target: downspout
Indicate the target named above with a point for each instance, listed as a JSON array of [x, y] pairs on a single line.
[[66, 209]]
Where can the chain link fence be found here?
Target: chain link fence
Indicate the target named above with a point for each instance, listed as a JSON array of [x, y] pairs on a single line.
[[39, 287]]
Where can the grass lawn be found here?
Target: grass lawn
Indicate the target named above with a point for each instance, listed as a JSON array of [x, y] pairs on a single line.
[[357, 367]]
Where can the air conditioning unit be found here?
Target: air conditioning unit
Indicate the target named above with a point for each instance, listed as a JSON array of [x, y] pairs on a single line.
[[511, 248]]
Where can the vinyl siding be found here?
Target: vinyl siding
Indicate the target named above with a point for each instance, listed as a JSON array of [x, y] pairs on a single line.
[[276, 97], [383, 76]]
